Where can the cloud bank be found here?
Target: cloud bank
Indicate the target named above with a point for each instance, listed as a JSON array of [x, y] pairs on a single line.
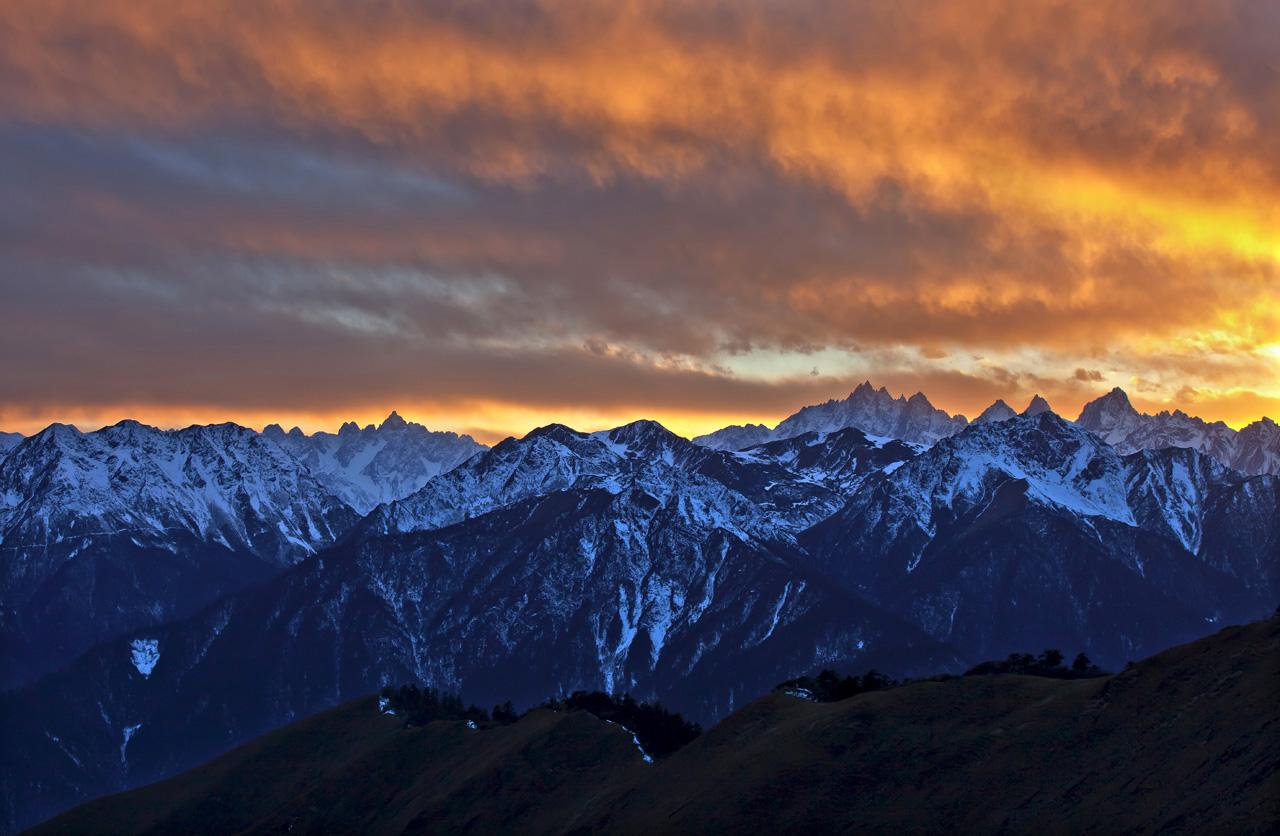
[[508, 213]]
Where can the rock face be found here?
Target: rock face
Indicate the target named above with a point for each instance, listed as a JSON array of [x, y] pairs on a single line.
[[367, 467], [1253, 450], [1034, 530], [874, 411], [107, 531]]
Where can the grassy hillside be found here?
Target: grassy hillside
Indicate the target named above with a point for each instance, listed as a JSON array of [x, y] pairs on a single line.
[[1187, 741]]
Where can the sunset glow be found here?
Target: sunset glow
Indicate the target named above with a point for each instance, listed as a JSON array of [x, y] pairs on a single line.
[[497, 216]]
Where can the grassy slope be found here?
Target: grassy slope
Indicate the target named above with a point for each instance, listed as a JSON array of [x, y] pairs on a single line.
[[1188, 741]]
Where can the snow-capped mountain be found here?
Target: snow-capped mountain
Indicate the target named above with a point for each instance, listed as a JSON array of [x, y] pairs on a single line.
[[874, 411], [105, 531], [1034, 530], [747, 496], [768, 492], [1001, 411], [1258, 448], [1253, 450], [367, 467]]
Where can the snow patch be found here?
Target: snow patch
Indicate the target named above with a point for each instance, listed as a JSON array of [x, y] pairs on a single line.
[[144, 653], [634, 739]]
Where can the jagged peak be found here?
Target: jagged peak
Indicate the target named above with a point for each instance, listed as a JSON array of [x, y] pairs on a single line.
[[1118, 395], [348, 427], [1037, 406], [1114, 403], [998, 411], [393, 422]]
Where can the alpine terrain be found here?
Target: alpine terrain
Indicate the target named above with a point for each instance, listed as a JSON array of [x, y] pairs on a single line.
[[185, 591]]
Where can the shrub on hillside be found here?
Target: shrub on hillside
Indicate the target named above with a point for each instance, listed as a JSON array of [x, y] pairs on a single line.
[[829, 686], [420, 706], [1049, 663]]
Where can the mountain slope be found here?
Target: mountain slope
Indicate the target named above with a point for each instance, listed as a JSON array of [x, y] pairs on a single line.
[[769, 492], [1181, 742], [1034, 530], [103, 532], [575, 589]]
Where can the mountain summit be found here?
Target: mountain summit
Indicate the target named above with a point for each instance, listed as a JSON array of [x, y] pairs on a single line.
[[874, 411], [366, 467], [998, 411], [1253, 450], [1037, 406]]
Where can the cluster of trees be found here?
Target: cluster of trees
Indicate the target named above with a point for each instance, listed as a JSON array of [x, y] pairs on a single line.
[[1050, 663], [829, 686], [419, 706], [659, 731]]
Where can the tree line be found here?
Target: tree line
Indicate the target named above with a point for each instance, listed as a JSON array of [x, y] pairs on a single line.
[[659, 731]]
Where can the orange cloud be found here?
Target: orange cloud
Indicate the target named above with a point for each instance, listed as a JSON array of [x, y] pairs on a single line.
[[1052, 188]]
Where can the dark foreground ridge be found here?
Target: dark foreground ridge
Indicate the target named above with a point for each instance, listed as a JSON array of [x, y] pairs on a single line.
[[1185, 741]]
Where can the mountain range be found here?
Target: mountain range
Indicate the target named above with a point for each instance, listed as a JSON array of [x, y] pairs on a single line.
[[169, 594], [1254, 449], [104, 532]]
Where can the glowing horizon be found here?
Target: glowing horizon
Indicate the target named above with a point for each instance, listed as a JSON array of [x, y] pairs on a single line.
[[491, 417]]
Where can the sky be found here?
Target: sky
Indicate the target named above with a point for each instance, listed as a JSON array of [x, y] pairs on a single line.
[[491, 216]]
